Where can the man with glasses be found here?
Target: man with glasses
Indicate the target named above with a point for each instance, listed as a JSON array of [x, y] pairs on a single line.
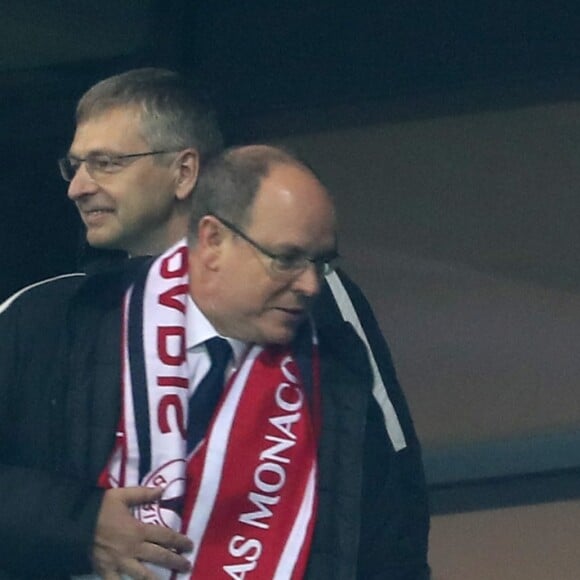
[[130, 136], [134, 159], [263, 233]]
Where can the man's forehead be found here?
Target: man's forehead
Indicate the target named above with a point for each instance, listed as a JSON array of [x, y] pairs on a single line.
[[113, 129], [293, 207]]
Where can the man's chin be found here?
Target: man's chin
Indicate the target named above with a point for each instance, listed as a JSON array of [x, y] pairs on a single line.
[[281, 336], [100, 242]]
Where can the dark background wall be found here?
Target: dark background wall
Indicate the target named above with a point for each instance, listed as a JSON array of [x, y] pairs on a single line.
[[274, 69]]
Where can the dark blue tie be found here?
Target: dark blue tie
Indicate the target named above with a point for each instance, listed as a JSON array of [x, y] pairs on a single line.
[[204, 401]]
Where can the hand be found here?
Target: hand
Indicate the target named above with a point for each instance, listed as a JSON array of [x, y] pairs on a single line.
[[123, 543]]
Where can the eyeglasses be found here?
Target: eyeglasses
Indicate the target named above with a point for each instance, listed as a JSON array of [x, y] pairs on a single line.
[[100, 163], [287, 265]]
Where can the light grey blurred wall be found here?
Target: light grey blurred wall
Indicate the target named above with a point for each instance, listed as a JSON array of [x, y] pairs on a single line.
[[463, 231]]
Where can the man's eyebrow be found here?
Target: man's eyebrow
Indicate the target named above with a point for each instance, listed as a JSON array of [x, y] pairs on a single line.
[[93, 153], [299, 250]]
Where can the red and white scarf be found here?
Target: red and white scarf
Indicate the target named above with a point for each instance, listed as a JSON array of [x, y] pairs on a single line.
[[246, 495]]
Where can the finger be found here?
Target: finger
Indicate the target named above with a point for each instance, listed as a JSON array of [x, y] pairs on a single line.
[[104, 565], [163, 557], [110, 575], [133, 496], [137, 570], [167, 538]]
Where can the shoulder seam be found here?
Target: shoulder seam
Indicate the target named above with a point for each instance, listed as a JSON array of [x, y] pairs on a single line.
[[4, 305], [349, 313]]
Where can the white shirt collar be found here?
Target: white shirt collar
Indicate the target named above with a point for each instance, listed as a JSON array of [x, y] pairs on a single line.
[[199, 329]]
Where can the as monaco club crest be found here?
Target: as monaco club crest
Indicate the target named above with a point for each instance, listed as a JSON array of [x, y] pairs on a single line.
[[167, 511]]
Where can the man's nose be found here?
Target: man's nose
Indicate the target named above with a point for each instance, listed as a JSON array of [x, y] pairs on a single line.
[[81, 183], [309, 281]]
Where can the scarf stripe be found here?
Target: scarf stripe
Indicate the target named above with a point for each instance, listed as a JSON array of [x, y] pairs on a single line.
[[294, 556], [215, 457], [138, 372]]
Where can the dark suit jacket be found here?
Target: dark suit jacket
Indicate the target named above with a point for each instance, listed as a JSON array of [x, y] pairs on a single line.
[[59, 407]]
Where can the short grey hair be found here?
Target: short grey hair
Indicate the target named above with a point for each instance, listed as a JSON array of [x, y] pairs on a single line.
[[175, 114]]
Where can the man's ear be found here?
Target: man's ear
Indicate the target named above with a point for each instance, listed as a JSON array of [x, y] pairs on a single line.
[[210, 237], [188, 172]]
